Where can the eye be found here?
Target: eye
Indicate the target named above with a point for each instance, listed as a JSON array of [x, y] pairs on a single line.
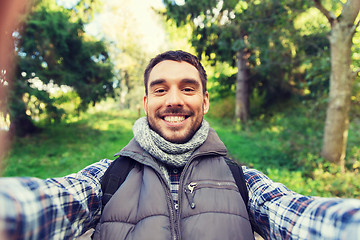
[[159, 91], [188, 90]]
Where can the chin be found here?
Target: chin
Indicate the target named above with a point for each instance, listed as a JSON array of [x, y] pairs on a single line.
[[177, 139]]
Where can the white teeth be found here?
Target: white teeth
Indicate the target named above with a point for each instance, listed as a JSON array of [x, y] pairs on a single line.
[[174, 119]]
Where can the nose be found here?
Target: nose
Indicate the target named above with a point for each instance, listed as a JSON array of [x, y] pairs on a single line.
[[174, 99]]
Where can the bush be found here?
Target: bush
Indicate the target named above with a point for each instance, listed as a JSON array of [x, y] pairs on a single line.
[[224, 108], [286, 146]]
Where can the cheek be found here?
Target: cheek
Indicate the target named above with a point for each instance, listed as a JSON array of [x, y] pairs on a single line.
[[152, 107]]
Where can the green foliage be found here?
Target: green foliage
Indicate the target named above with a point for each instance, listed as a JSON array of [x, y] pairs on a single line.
[[54, 52], [83, 10], [223, 104], [353, 146], [223, 86], [285, 145], [55, 49], [264, 30], [356, 51], [313, 50], [223, 108], [317, 77], [133, 34]]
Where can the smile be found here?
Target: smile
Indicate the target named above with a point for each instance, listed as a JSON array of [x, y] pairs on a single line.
[[174, 119]]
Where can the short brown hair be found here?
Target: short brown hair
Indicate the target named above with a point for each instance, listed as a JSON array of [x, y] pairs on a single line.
[[178, 56]]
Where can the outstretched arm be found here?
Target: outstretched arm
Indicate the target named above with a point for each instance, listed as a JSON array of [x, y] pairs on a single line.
[[55, 208], [283, 214]]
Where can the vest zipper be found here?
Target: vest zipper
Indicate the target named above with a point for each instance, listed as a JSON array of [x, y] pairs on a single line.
[[193, 186], [172, 214], [181, 183], [170, 202]]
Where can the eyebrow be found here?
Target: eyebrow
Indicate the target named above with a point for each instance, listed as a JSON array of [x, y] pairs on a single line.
[[190, 81], [156, 82], [183, 81]]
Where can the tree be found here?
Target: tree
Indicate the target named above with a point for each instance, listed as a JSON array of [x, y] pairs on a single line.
[[133, 34], [246, 35], [52, 50], [341, 79], [218, 37]]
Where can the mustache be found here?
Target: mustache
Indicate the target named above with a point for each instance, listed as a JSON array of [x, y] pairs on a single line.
[[179, 111]]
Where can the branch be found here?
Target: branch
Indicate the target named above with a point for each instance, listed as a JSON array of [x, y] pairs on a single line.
[[329, 15], [350, 11], [353, 29]]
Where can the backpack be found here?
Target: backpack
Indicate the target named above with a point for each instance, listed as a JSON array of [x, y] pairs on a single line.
[[118, 170]]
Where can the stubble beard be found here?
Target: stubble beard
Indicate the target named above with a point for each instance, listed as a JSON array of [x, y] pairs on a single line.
[[189, 133]]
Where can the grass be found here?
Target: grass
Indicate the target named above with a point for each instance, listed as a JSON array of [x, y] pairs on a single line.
[[64, 148], [262, 150], [284, 146]]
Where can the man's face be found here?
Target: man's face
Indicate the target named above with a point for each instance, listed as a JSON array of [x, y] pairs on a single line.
[[175, 103]]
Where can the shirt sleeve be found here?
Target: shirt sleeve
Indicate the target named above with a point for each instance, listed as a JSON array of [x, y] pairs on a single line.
[[279, 213], [54, 208]]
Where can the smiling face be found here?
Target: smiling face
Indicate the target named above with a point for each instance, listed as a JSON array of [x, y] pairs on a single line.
[[175, 103]]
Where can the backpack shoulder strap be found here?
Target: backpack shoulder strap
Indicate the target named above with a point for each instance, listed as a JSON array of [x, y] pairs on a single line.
[[114, 176], [239, 178]]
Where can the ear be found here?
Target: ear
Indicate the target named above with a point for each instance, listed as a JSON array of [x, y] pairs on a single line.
[[145, 104], [206, 102]]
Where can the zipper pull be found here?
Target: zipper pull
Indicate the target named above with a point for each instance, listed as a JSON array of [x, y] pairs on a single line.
[[189, 191], [191, 186]]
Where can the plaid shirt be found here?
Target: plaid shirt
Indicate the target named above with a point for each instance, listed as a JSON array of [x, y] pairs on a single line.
[[63, 208], [174, 175]]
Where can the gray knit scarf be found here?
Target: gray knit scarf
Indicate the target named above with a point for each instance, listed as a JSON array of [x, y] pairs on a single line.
[[168, 153]]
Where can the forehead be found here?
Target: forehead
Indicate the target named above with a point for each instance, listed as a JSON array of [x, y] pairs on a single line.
[[172, 70]]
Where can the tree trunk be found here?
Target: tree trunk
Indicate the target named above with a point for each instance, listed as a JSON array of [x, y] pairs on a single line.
[[242, 88], [22, 125], [341, 81]]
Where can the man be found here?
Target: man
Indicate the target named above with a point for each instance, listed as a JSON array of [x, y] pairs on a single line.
[[181, 187]]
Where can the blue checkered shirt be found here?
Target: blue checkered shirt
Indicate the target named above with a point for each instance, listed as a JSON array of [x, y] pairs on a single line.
[[174, 175], [63, 208]]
